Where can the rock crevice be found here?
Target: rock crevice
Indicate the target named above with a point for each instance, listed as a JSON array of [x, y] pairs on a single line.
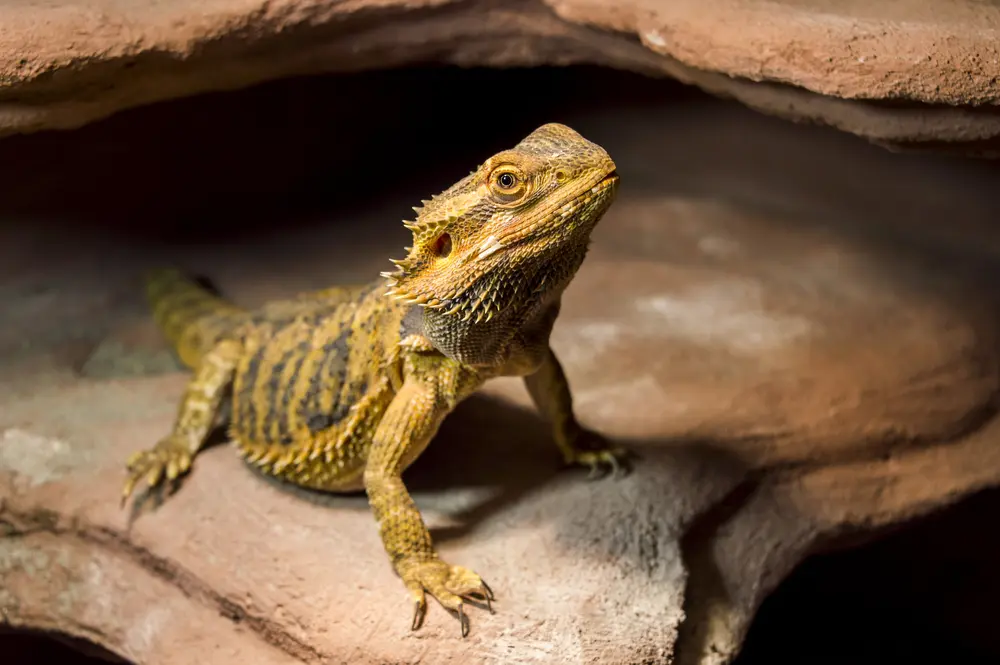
[[849, 66]]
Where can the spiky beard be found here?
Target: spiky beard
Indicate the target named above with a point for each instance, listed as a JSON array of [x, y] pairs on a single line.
[[492, 291]]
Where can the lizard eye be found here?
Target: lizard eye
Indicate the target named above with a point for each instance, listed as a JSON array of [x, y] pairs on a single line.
[[442, 245], [508, 185]]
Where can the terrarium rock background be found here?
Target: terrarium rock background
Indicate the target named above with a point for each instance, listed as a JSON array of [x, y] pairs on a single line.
[[797, 332], [901, 72]]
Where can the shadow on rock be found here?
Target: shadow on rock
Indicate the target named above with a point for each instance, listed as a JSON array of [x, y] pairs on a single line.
[[494, 445], [638, 522]]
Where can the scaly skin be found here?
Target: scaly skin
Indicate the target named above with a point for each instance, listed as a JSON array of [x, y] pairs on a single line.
[[342, 389]]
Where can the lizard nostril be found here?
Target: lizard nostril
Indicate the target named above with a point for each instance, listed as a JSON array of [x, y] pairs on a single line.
[[562, 176]]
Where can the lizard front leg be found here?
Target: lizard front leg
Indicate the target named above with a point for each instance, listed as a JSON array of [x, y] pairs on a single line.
[[172, 455], [550, 392], [406, 427]]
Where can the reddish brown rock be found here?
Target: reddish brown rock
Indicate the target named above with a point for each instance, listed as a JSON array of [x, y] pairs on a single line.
[[64, 64]]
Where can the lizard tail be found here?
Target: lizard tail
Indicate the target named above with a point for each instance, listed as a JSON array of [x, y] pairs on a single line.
[[191, 316]]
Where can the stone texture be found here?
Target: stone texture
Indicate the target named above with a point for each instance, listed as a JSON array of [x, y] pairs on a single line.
[[910, 73], [775, 318]]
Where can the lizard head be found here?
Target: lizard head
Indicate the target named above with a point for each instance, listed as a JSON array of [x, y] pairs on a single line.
[[516, 227]]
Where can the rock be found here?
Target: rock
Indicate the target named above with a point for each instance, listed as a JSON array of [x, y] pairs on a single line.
[[802, 350], [909, 73]]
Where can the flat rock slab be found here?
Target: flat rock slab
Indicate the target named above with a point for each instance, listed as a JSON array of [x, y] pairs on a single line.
[[797, 348], [63, 64]]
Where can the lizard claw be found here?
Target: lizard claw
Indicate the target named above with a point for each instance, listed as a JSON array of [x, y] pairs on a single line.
[[448, 584], [488, 595], [419, 612], [168, 459], [593, 451], [597, 472]]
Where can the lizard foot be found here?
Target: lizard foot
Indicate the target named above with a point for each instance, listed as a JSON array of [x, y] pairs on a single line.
[[592, 450], [448, 584], [167, 459]]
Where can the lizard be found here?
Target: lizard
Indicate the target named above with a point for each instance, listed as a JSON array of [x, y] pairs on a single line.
[[341, 389]]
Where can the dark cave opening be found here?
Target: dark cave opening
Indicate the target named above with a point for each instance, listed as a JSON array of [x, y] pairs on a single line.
[[35, 647], [925, 592], [227, 162]]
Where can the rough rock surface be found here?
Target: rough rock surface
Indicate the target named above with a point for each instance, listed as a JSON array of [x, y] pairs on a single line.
[[902, 73], [774, 317]]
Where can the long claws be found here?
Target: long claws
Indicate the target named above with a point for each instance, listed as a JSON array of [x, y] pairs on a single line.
[[127, 492], [602, 461], [615, 467], [165, 461], [450, 585], [595, 472], [419, 612], [464, 620], [606, 465], [487, 593]]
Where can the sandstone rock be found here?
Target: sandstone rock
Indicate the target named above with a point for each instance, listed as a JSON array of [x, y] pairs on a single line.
[[906, 73], [799, 349]]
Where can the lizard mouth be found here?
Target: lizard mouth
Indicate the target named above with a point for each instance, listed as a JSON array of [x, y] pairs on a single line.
[[554, 221], [607, 182]]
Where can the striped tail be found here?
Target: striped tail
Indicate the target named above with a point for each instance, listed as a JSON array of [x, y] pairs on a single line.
[[192, 317]]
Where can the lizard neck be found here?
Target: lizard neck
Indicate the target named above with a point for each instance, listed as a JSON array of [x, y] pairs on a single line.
[[482, 345], [512, 342], [511, 339]]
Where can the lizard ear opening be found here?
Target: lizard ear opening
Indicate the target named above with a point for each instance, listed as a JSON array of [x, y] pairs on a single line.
[[442, 246]]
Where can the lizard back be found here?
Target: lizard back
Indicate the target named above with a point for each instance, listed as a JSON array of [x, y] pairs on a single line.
[[311, 381], [312, 384]]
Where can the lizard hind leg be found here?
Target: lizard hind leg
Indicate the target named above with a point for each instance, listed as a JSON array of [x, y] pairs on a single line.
[[172, 456]]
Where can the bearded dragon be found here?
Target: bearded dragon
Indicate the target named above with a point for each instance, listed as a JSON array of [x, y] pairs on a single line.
[[341, 389]]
